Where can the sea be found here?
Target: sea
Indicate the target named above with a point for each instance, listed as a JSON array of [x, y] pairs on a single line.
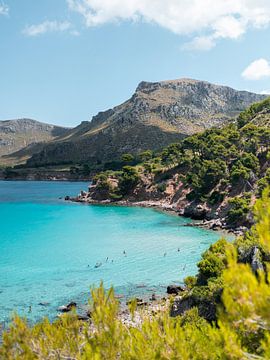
[[53, 252]]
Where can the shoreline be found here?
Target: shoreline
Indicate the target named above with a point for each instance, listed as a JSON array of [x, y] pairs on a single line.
[[214, 224]]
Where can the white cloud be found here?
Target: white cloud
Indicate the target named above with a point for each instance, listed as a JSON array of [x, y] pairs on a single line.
[[45, 27], [202, 43], [265, 92], [206, 20], [257, 70], [4, 9], [75, 33]]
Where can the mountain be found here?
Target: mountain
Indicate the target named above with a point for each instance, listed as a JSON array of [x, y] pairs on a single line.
[[157, 114], [21, 133]]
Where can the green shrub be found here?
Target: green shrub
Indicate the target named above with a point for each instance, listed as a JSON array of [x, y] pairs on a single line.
[[190, 281], [161, 187], [213, 261], [254, 109], [216, 197], [240, 207], [128, 180], [127, 158]]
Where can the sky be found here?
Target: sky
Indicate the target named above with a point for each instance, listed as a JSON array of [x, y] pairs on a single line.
[[63, 61]]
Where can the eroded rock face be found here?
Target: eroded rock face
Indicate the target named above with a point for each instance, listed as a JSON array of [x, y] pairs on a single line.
[[203, 103], [252, 256]]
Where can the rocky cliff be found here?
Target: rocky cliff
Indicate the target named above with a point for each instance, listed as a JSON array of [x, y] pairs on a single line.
[[157, 114]]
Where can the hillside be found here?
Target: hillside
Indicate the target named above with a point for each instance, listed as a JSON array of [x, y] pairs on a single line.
[[214, 175], [156, 115], [18, 134]]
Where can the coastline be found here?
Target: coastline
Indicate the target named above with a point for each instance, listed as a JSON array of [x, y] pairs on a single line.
[[48, 177], [214, 225]]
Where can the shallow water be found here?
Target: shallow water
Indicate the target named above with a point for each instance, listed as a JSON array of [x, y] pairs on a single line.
[[49, 248]]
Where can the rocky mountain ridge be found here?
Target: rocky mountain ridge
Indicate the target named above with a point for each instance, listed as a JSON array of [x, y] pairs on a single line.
[[156, 115]]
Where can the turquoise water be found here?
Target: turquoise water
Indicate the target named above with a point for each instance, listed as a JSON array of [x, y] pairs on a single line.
[[49, 248]]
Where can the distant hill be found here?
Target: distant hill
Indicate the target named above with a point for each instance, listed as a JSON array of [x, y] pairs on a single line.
[[157, 114], [20, 133]]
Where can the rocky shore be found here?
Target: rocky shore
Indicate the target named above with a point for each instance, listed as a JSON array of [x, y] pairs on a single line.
[[146, 307], [217, 224]]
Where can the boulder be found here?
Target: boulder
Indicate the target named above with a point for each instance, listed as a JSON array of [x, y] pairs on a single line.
[[196, 211], [68, 307], [174, 289]]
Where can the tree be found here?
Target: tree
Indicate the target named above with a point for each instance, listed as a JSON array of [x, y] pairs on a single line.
[[146, 155], [127, 158], [128, 179]]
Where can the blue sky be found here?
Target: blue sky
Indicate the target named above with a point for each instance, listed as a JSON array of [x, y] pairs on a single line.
[[62, 61]]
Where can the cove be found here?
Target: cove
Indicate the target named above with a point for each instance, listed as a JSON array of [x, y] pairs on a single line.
[[49, 248]]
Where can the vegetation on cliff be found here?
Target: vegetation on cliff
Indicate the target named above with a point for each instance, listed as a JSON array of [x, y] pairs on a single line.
[[240, 330], [219, 170]]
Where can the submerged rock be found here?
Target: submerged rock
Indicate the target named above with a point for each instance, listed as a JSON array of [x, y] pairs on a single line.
[[44, 303]]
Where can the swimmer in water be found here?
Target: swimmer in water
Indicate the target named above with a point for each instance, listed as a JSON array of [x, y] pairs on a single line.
[[165, 254]]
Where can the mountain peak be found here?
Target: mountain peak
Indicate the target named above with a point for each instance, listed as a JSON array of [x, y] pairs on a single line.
[[157, 114], [185, 83]]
